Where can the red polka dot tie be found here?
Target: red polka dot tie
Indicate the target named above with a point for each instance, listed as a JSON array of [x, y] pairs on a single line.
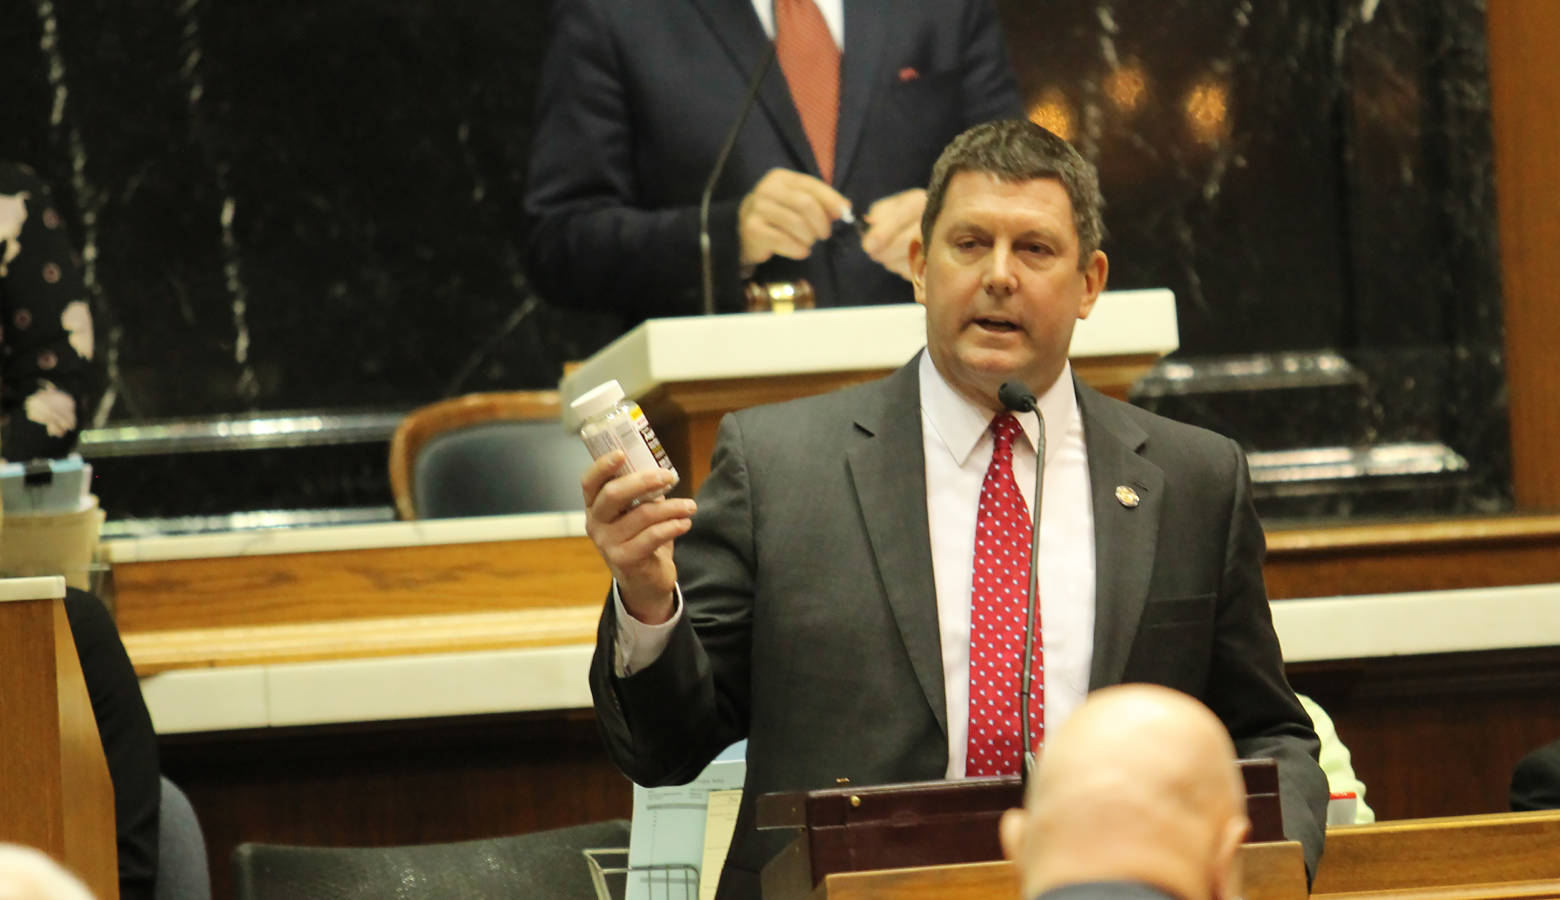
[[811, 62], [998, 605]]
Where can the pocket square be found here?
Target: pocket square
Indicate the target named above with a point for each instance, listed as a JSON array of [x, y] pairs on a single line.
[[908, 73]]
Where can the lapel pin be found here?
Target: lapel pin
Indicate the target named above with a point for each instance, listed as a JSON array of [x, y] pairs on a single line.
[[1127, 497]]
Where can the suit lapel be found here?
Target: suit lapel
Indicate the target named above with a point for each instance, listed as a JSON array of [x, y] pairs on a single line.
[[887, 467], [1125, 537], [737, 28], [866, 24]]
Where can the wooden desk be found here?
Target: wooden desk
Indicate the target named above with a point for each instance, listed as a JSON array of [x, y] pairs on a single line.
[[1501, 855], [55, 792], [473, 616], [1273, 871], [430, 677]]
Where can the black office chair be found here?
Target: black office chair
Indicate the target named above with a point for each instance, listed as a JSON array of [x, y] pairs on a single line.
[[486, 454], [181, 849], [548, 864]]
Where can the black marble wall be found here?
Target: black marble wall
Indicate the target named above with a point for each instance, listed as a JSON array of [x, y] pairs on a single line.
[[313, 204], [1304, 175], [293, 204]]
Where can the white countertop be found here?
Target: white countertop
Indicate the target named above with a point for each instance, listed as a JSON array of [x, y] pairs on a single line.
[[371, 536], [46, 587], [844, 339], [554, 678]]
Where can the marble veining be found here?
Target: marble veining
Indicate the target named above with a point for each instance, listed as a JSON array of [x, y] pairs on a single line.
[[314, 204], [89, 201]]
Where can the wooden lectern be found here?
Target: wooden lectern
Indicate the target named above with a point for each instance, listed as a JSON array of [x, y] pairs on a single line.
[[55, 793], [688, 372], [939, 839]]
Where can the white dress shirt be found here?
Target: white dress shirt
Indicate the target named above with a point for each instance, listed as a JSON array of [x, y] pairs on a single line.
[[957, 439], [833, 16], [958, 450]]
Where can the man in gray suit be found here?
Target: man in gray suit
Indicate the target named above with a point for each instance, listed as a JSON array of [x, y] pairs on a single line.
[[834, 598]]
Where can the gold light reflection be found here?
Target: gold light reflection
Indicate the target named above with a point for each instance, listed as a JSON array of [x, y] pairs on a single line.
[[1127, 87], [1053, 113], [1208, 111]]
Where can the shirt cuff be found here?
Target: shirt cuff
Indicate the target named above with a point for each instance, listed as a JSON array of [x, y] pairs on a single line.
[[638, 644]]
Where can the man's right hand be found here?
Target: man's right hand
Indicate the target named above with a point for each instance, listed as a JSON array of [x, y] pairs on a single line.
[[636, 540], [785, 214]]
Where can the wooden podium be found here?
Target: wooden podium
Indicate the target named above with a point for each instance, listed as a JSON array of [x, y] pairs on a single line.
[[939, 839], [54, 788], [688, 372]]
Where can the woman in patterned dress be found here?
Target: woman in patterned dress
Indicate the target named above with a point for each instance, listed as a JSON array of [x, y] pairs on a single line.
[[49, 381]]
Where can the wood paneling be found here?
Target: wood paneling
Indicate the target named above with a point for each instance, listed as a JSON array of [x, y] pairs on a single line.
[[1438, 735], [191, 648], [396, 783], [1413, 556], [357, 584], [1525, 99], [54, 788]]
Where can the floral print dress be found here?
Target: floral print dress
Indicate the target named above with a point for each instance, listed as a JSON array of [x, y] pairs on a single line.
[[49, 381]]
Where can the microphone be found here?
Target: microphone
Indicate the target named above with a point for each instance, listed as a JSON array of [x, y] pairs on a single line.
[[756, 79], [1019, 399]]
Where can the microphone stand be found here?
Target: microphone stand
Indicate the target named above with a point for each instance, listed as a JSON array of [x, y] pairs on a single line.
[[1017, 399], [705, 253]]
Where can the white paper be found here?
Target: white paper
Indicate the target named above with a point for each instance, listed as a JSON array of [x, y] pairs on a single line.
[[666, 842]]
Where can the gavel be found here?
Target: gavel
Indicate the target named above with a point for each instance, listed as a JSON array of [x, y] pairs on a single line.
[[779, 296]]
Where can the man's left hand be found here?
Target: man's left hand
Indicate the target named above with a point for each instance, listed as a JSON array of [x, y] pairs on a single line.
[[891, 223]]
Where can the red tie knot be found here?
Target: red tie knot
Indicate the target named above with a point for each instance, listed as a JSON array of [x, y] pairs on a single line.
[[1004, 428]]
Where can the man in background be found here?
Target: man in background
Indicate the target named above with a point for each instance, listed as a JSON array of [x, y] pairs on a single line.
[[637, 96], [1137, 797]]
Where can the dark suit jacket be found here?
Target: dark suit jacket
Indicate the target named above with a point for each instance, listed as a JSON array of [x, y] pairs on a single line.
[[637, 96], [810, 624]]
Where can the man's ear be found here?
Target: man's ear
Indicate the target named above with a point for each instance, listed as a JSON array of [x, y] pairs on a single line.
[[1095, 274], [918, 268], [1010, 829], [1225, 876]]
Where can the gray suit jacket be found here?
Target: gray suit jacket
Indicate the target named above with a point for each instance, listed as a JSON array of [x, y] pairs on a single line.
[[811, 629]]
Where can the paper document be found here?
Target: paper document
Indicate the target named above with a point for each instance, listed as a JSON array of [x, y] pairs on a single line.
[[666, 845], [720, 821]]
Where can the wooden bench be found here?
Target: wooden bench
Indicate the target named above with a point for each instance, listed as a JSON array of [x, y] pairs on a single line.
[[1484, 857]]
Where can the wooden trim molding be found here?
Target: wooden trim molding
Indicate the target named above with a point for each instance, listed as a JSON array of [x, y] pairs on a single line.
[[1395, 557]]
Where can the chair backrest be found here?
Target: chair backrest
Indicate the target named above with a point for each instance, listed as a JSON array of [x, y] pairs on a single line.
[[182, 873], [486, 454], [547, 864]]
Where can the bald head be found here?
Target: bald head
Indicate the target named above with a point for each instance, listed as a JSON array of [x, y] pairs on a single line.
[[1139, 785], [28, 874]]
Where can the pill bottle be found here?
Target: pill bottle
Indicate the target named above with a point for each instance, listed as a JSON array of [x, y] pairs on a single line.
[[608, 422]]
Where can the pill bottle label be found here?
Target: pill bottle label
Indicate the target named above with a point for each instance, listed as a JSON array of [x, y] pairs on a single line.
[[651, 441], [633, 435]]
